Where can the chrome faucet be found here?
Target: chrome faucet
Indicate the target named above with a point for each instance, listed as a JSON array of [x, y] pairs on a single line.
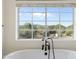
[[46, 47]]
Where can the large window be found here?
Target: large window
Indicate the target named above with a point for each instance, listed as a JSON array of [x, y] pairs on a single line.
[[38, 22]]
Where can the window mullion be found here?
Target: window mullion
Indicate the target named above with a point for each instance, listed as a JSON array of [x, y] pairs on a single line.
[[32, 23], [18, 23], [46, 22], [73, 22], [59, 23]]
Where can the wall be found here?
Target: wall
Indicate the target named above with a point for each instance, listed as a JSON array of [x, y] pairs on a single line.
[[9, 42]]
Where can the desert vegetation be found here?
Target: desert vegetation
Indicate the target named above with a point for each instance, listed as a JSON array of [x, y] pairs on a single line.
[[38, 31]]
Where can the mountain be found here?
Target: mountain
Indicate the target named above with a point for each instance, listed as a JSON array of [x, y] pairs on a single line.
[[57, 26], [69, 28]]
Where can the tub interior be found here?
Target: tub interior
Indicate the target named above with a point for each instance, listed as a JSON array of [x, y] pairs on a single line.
[[39, 54]]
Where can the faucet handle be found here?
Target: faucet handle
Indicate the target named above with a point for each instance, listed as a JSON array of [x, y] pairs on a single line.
[[48, 47], [42, 47], [45, 48]]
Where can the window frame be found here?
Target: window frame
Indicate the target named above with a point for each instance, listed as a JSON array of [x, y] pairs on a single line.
[[17, 25]]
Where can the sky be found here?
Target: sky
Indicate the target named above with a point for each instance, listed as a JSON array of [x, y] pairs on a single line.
[[37, 15]]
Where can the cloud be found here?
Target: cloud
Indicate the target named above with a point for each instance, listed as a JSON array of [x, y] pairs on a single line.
[[50, 14], [39, 14]]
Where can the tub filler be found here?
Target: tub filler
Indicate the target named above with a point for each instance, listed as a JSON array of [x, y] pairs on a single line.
[[39, 54]]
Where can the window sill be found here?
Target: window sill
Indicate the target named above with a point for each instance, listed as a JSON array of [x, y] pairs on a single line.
[[40, 40]]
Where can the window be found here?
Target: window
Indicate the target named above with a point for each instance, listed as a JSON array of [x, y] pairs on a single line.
[[38, 22]]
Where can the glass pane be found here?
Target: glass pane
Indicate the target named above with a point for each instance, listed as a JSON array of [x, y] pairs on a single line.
[[52, 9], [68, 34], [66, 9], [38, 9], [38, 34], [24, 17], [39, 17], [52, 17], [25, 25], [53, 25], [24, 34], [66, 17], [53, 34], [62, 26], [39, 25], [66, 24], [25, 9]]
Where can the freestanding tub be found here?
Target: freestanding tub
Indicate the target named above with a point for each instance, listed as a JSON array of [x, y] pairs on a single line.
[[39, 54]]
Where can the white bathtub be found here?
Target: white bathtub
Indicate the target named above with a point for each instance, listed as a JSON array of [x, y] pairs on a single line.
[[39, 54]]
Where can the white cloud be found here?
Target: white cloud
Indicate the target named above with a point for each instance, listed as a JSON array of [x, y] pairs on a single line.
[[50, 14], [39, 14]]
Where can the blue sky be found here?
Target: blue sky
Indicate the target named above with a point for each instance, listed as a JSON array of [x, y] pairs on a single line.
[[25, 15]]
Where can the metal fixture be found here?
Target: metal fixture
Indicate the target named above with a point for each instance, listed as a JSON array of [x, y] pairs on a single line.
[[46, 47]]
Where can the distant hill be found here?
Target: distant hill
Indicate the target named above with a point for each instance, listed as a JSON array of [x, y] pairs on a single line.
[[57, 26], [28, 26], [69, 28]]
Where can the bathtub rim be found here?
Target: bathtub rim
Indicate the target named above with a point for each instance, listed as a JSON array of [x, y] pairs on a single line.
[[18, 51]]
